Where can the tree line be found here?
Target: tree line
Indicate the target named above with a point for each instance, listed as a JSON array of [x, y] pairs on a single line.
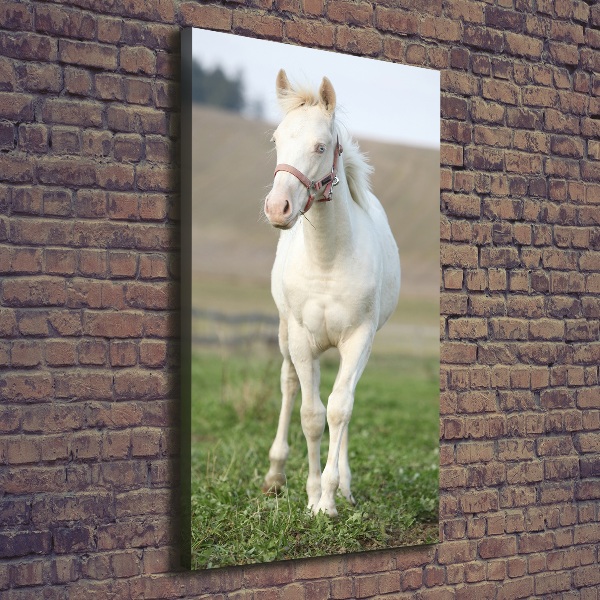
[[215, 88]]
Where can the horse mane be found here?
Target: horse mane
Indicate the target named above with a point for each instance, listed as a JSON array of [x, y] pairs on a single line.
[[356, 166]]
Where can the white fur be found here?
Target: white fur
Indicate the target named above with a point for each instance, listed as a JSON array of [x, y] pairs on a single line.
[[335, 282]]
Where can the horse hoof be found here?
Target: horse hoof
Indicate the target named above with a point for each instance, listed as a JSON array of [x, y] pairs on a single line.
[[348, 497], [329, 511], [274, 489]]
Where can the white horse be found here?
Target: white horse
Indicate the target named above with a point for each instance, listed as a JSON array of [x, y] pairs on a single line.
[[335, 280]]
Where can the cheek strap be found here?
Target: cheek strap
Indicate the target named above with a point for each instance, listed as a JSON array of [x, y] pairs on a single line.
[[326, 182]]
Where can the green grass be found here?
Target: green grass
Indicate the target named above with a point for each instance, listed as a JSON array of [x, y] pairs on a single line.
[[393, 457]]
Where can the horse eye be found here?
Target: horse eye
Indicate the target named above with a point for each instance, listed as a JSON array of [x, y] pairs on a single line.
[[320, 148]]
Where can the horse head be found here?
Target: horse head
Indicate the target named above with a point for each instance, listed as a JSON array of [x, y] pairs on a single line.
[[307, 151]]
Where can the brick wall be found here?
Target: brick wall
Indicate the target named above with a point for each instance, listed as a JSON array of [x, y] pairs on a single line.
[[88, 238]]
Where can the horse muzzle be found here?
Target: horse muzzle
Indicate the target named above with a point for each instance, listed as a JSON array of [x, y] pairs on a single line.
[[279, 211]]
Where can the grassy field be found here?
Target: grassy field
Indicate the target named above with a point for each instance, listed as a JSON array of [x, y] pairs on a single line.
[[393, 457], [235, 403]]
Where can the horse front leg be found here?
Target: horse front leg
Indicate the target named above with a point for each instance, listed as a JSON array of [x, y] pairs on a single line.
[[275, 478], [354, 354], [344, 467], [312, 411]]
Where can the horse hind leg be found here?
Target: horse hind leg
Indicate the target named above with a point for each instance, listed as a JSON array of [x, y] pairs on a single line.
[[275, 478]]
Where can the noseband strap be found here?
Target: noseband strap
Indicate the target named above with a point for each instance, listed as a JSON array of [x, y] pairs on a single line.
[[314, 187]]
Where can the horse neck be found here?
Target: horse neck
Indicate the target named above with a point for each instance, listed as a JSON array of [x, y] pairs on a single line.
[[331, 230]]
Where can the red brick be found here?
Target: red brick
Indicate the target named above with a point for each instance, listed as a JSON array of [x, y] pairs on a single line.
[[17, 107], [26, 354], [313, 7], [349, 13], [60, 353], [159, 149], [15, 168], [416, 54], [396, 21], [8, 136], [88, 54], [122, 264], [359, 41], [462, 205], [22, 544], [587, 442], [212, 17], [310, 32], [442, 29], [130, 118], [497, 546], [458, 353], [125, 564], [265, 26], [14, 15], [113, 324], [115, 176], [96, 144], [475, 452], [24, 260], [156, 178], [153, 267], [453, 279], [123, 354], [454, 108], [146, 442], [66, 23], [123, 206], [21, 450], [138, 383], [153, 353], [477, 402], [109, 86], [41, 291], [456, 552], [154, 207], [28, 46], [73, 112], [92, 352], [138, 91]]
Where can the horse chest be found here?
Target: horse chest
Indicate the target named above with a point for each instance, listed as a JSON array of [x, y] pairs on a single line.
[[325, 308]]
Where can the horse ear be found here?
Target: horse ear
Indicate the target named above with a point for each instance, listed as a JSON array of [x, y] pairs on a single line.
[[282, 85], [327, 95]]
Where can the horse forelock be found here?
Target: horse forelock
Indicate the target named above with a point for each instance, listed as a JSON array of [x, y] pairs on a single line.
[[293, 98]]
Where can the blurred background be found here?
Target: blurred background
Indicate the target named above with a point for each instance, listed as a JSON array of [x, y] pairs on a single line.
[[393, 110]]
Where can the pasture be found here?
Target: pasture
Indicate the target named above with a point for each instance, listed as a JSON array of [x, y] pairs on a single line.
[[394, 430], [393, 457]]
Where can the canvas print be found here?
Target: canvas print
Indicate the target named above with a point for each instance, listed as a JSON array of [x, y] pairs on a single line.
[[313, 300]]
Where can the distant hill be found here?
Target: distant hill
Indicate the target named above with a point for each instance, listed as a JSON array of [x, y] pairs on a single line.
[[233, 164]]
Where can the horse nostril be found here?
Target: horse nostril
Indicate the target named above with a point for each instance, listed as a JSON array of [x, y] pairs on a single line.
[[286, 208]]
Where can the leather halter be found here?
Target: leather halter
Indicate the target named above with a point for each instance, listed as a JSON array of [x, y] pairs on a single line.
[[326, 182]]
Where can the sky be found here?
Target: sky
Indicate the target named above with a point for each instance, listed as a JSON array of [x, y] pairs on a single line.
[[376, 99]]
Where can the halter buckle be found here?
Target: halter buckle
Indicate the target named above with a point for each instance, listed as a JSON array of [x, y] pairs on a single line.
[[335, 181]]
